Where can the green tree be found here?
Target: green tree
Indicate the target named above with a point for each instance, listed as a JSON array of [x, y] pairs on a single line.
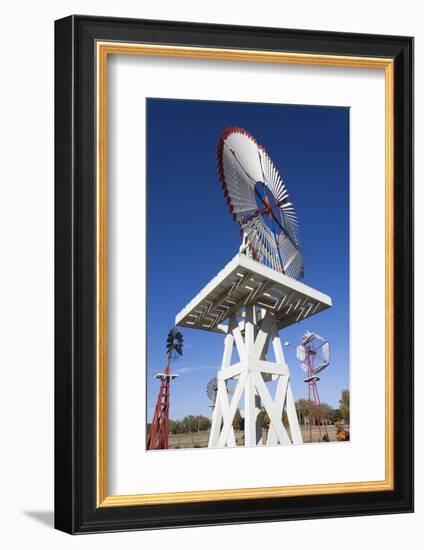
[[303, 408], [336, 416], [345, 405], [325, 411], [204, 423], [191, 423], [185, 425]]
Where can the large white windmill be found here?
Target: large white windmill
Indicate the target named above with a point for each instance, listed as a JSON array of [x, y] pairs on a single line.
[[254, 296]]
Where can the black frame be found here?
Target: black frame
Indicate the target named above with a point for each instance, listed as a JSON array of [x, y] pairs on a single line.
[[75, 275]]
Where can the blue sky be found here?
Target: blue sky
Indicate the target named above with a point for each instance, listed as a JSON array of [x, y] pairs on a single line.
[[191, 236]]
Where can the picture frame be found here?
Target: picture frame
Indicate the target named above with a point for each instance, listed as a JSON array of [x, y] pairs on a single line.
[[83, 45]]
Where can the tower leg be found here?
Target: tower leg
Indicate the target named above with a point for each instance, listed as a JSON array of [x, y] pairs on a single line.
[[286, 390], [252, 401], [221, 402], [216, 424], [252, 414], [280, 399]]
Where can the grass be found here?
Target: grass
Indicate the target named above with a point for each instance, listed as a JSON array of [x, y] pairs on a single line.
[[200, 440]]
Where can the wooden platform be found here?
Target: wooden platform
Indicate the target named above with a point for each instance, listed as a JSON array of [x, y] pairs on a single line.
[[244, 281]]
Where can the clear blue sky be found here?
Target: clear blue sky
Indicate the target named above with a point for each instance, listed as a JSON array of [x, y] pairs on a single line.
[[191, 236]]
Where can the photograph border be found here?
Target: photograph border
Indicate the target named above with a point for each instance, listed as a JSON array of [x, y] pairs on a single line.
[[83, 45]]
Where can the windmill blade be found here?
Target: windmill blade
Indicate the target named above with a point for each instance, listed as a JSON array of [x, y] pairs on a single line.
[[278, 188], [290, 253], [322, 350], [300, 352], [326, 351], [304, 366], [244, 151], [307, 337], [321, 367]]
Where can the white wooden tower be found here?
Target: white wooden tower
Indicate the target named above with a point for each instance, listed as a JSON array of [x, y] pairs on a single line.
[[249, 303]]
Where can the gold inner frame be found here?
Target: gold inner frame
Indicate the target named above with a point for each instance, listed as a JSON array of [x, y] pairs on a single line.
[[104, 49]]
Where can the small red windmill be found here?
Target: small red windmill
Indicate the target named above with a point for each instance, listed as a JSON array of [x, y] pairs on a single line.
[[158, 435], [313, 353]]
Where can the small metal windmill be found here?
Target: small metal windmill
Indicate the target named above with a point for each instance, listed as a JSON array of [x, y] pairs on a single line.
[[158, 435], [313, 352], [212, 390]]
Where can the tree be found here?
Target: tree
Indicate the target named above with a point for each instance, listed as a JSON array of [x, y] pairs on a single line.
[[203, 423], [189, 424], [325, 411], [336, 416], [285, 419], [238, 422], [265, 419], [345, 405], [185, 425], [304, 408]]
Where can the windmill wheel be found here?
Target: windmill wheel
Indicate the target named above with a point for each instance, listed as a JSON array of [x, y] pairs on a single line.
[[258, 199], [212, 389]]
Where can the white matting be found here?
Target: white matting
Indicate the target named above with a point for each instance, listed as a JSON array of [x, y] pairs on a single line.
[[131, 469]]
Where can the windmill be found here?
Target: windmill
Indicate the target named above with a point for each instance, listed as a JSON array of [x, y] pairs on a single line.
[[212, 390], [158, 435], [254, 296], [313, 352]]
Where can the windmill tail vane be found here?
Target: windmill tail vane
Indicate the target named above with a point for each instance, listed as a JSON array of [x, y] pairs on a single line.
[[159, 429]]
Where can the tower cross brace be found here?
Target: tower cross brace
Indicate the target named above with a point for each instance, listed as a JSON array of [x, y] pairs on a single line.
[[249, 303], [251, 373]]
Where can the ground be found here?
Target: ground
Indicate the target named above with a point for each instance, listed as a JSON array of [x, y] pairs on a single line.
[[186, 441]]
